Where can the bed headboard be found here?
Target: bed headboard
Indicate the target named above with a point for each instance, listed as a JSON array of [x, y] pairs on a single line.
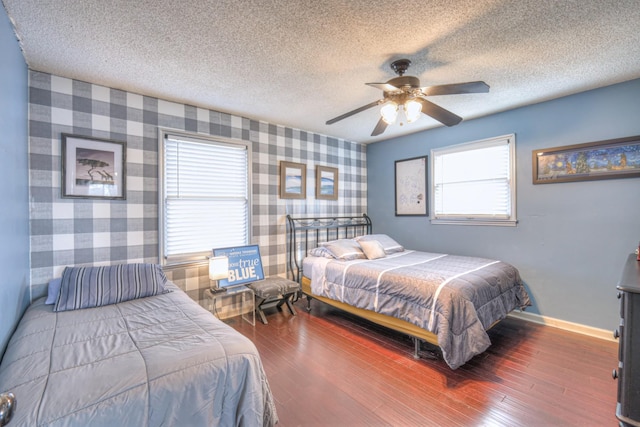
[[304, 234]]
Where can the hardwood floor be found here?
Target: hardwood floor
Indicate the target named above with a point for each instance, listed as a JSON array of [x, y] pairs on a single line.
[[328, 368]]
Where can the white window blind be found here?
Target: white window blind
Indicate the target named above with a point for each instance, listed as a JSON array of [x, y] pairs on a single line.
[[474, 183], [205, 201]]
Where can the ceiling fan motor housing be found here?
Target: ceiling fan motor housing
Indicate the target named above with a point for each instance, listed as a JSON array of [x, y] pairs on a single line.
[[400, 66]]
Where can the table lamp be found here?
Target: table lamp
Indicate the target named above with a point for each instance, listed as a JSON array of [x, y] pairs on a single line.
[[218, 270]]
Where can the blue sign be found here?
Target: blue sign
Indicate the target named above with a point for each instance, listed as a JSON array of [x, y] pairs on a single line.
[[245, 265]]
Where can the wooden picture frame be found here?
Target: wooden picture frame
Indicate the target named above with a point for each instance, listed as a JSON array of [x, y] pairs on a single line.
[[326, 183], [293, 180], [609, 159], [411, 187], [93, 168]]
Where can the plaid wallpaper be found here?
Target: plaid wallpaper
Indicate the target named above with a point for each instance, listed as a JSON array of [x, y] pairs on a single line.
[[103, 232]]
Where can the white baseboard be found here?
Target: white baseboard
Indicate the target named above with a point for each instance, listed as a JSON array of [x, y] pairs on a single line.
[[563, 324]]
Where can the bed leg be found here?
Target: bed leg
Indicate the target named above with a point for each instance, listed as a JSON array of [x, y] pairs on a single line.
[[308, 303], [416, 349], [7, 404]]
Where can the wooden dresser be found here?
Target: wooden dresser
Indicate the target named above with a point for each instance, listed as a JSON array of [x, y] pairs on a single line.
[[628, 371]]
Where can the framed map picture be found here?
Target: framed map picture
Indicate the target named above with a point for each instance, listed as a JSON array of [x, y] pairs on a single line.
[[411, 187]]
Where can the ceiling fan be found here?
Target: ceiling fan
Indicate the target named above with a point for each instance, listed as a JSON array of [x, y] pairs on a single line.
[[405, 92]]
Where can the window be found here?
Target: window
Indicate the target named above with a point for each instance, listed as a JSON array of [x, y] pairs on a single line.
[[204, 195], [474, 183]]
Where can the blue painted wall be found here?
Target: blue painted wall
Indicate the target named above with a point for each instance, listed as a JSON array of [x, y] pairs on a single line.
[[572, 238], [14, 210]]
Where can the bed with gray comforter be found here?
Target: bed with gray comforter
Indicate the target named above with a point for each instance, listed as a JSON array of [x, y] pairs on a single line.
[[159, 360], [457, 298]]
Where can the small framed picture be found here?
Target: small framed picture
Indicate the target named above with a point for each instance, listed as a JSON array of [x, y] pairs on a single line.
[[93, 168], [293, 180], [326, 183]]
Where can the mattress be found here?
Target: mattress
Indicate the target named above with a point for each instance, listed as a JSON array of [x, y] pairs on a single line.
[[457, 298], [160, 360]]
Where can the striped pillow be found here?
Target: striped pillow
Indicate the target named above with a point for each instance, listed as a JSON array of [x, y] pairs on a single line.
[[344, 249], [85, 287]]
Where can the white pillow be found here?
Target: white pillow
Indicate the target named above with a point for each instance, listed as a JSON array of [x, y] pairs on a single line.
[[372, 249], [390, 246]]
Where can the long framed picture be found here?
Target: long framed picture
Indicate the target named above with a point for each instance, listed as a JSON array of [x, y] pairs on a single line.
[[613, 158], [411, 187], [326, 183], [93, 168], [293, 180]]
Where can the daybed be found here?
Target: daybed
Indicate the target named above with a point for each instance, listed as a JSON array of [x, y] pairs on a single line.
[[446, 300], [155, 359]]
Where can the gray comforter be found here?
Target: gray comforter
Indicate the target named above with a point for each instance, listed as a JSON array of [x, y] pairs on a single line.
[[457, 298], [161, 360]]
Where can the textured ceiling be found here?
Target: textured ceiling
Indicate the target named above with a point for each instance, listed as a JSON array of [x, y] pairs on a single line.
[[300, 63]]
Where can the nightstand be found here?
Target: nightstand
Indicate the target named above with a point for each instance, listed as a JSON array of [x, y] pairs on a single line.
[[235, 301]]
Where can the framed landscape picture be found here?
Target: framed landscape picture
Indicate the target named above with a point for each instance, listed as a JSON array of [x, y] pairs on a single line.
[[293, 180], [326, 183], [93, 168], [614, 158]]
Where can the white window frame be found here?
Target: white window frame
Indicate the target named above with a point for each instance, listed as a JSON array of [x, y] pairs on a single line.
[[509, 219], [195, 257]]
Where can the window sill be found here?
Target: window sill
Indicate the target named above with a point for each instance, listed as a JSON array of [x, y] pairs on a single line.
[[489, 222], [175, 265]]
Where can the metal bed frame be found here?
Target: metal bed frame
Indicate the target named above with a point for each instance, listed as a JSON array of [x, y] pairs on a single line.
[[304, 234]]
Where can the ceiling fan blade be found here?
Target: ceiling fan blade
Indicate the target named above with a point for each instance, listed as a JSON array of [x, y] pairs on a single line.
[[383, 86], [351, 113], [380, 127], [456, 88], [445, 117]]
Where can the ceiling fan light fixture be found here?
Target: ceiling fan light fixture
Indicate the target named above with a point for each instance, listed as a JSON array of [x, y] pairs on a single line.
[[412, 110], [389, 112], [404, 95]]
